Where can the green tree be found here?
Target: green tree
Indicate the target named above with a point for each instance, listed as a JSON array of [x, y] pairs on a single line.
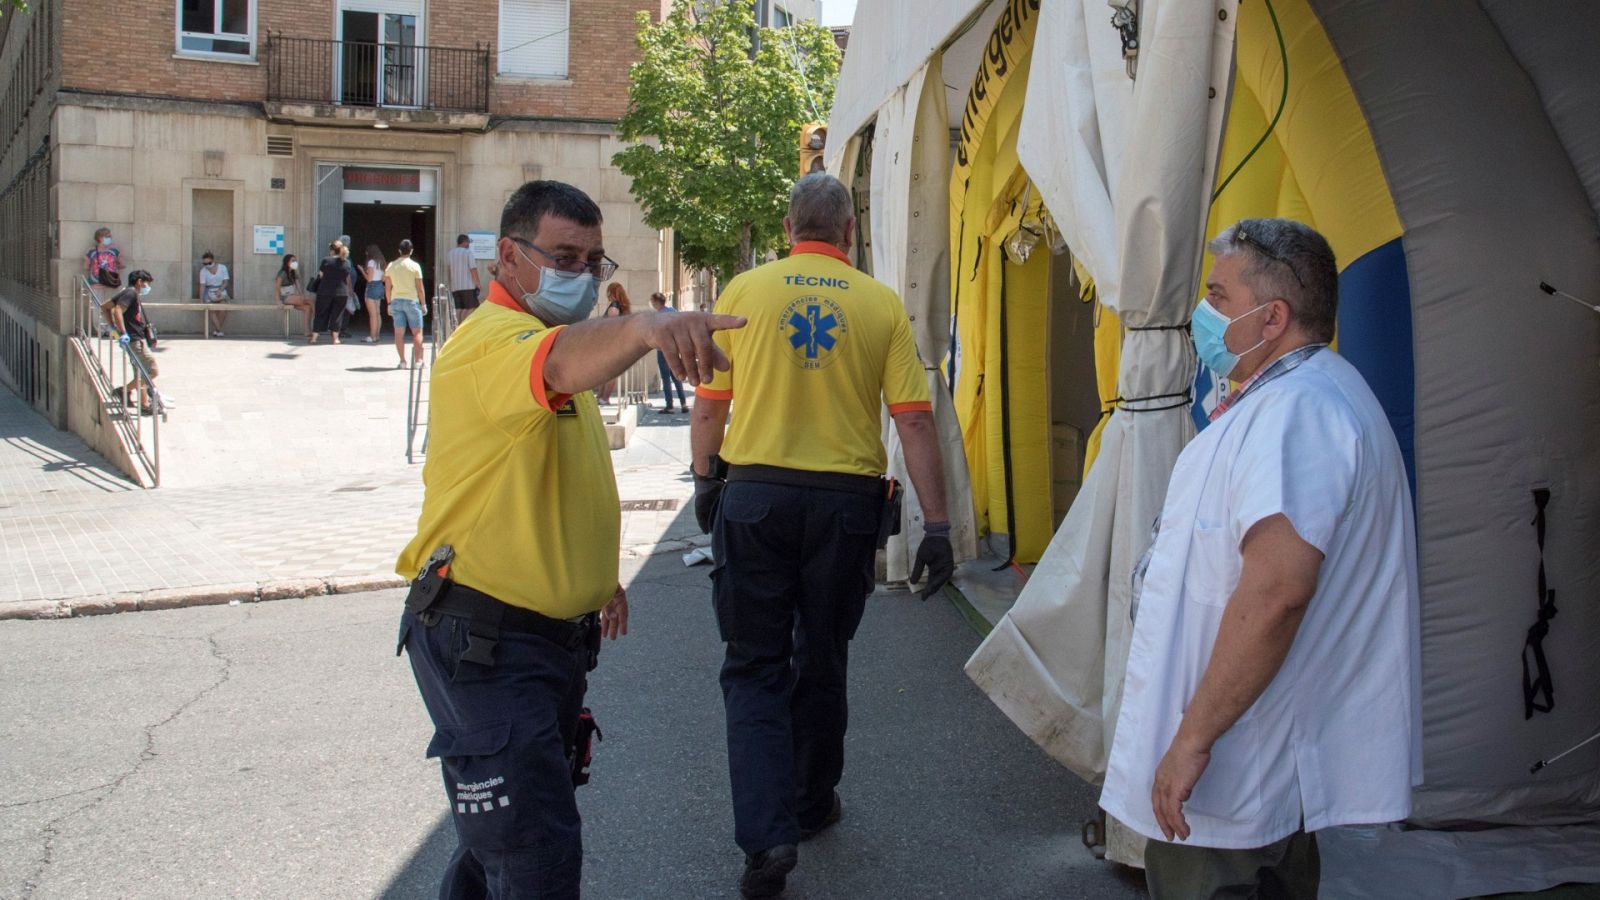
[[18, 5], [716, 106]]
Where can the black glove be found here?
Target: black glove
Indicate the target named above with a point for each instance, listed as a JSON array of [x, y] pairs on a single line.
[[707, 495], [935, 555]]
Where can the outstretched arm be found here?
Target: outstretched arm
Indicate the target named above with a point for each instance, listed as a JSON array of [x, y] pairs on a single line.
[[594, 351]]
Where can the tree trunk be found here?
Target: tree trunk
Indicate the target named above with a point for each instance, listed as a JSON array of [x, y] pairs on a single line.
[[745, 262]]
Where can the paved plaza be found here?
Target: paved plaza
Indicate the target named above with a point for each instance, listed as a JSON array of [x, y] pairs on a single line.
[[283, 471]]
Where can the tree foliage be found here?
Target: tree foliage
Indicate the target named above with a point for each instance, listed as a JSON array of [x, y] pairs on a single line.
[[717, 126], [18, 5]]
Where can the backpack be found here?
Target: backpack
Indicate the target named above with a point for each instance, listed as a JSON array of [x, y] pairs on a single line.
[[103, 263]]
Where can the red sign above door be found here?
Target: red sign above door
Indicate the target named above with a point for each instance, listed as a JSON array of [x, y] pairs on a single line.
[[357, 178]]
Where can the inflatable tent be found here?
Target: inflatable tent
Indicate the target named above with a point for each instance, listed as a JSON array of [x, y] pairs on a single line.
[[1451, 153]]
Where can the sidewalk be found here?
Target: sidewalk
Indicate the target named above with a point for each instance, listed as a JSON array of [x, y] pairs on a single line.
[[284, 474]]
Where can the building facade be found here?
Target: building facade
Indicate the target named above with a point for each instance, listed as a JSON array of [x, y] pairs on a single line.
[[249, 128]]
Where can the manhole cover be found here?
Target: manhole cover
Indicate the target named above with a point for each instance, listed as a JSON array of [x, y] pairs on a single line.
[[649, 505]]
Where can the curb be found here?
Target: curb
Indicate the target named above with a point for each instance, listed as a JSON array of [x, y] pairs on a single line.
[[200, 595]]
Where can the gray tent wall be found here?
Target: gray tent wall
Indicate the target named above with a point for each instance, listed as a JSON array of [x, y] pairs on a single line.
[[1486, 118]]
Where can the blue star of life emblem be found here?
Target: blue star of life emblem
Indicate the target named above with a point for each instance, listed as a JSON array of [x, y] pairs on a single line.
[[816, 325]]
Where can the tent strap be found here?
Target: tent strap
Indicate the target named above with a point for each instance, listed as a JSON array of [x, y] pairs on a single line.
[[1533, 646]]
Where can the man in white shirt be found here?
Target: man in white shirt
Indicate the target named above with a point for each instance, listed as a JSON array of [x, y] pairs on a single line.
[[464, 287], [1273, 683], [214, 279]]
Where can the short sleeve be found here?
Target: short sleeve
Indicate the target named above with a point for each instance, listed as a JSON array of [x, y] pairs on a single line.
[[905, 383], [510, 374], [1299, 458], [720, 387]]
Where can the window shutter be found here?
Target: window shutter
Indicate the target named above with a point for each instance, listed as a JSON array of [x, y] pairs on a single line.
[[533, 38]]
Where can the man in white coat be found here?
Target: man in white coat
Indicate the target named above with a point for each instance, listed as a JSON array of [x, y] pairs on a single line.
[[1273, 685]]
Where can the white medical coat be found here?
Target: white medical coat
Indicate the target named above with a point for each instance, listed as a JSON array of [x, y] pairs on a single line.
[[1336, 737]]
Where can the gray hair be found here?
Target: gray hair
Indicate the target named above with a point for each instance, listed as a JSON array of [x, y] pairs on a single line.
[[819, 209], [1291, 260]]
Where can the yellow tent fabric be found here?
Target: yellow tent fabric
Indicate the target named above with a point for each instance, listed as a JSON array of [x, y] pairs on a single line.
[[1300, 172], [1107, 360], [1002, 431]]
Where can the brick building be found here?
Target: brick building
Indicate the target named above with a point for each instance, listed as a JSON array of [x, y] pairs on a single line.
[[195, 125]]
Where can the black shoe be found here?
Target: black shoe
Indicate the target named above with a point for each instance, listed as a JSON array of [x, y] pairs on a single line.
[[832, 818], [765, 873]]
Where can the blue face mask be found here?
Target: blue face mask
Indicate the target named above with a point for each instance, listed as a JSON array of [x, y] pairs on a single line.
[[144, 291], [105, 242], [1209, 328], [562, 297]]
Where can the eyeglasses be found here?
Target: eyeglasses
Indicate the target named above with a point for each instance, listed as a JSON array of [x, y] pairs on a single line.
[[1241, 236], [601, 270]]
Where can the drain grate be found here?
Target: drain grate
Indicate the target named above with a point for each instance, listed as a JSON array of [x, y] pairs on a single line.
[[649, 505]]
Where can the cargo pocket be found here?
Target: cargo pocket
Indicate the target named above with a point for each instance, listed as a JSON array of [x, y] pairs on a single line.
[[862, 529], [476, 773]]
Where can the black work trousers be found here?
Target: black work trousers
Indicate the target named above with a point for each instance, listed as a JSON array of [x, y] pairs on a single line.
[[793, 571], [329, 314], [504, 737]]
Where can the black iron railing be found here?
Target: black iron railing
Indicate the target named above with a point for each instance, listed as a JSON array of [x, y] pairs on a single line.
[[359, 73]]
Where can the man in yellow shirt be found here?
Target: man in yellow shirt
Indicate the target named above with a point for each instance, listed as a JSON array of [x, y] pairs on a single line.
[[517, 541], [796, 528], [402, 283]]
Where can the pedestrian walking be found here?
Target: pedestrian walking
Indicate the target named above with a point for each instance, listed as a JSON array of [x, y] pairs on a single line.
[[1272, 683], [124, 311], [214, 280], [518, 539], [287, 283], [617, 305], [801, 514], [102, 265], [333, 272], [373, 293], [402, 283], [658, 302], [465, 291]]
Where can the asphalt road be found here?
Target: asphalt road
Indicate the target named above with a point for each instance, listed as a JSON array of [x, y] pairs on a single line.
[[275, 750]]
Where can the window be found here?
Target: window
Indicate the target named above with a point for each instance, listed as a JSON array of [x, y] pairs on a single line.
[[533, 38], [219, 27], [781, 18]]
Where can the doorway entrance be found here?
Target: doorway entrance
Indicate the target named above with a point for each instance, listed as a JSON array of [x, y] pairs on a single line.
[[379, 205], [384, 226]]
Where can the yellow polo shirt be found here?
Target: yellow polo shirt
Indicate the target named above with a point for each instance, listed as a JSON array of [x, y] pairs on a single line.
[[404, 275], [518, 479], [825, 346]]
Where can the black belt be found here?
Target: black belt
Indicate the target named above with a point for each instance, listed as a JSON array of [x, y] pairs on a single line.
[[869, 485], [487, 617]]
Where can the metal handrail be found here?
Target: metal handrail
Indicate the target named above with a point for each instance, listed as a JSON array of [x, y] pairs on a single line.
[[113, 367], [444, 324]]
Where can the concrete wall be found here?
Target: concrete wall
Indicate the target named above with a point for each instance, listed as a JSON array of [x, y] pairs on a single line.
[[87, 419]]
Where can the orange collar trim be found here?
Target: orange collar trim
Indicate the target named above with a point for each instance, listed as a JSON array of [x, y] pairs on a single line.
[[499, 296], [821, 247]]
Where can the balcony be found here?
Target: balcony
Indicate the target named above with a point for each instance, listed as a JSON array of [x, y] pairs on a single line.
[[328, 82]]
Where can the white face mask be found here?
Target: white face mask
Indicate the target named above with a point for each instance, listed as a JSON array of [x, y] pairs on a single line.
[[294, 265]]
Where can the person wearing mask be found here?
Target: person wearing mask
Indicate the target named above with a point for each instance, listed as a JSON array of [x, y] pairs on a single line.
[[402, 283], [658, 302], [515, 554], [617, 305], [795, 501], [124, 311], [287, 282], [102, 265], [1273, 678], [213, 280], [333, 272], [374, 294], [464, 287]]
